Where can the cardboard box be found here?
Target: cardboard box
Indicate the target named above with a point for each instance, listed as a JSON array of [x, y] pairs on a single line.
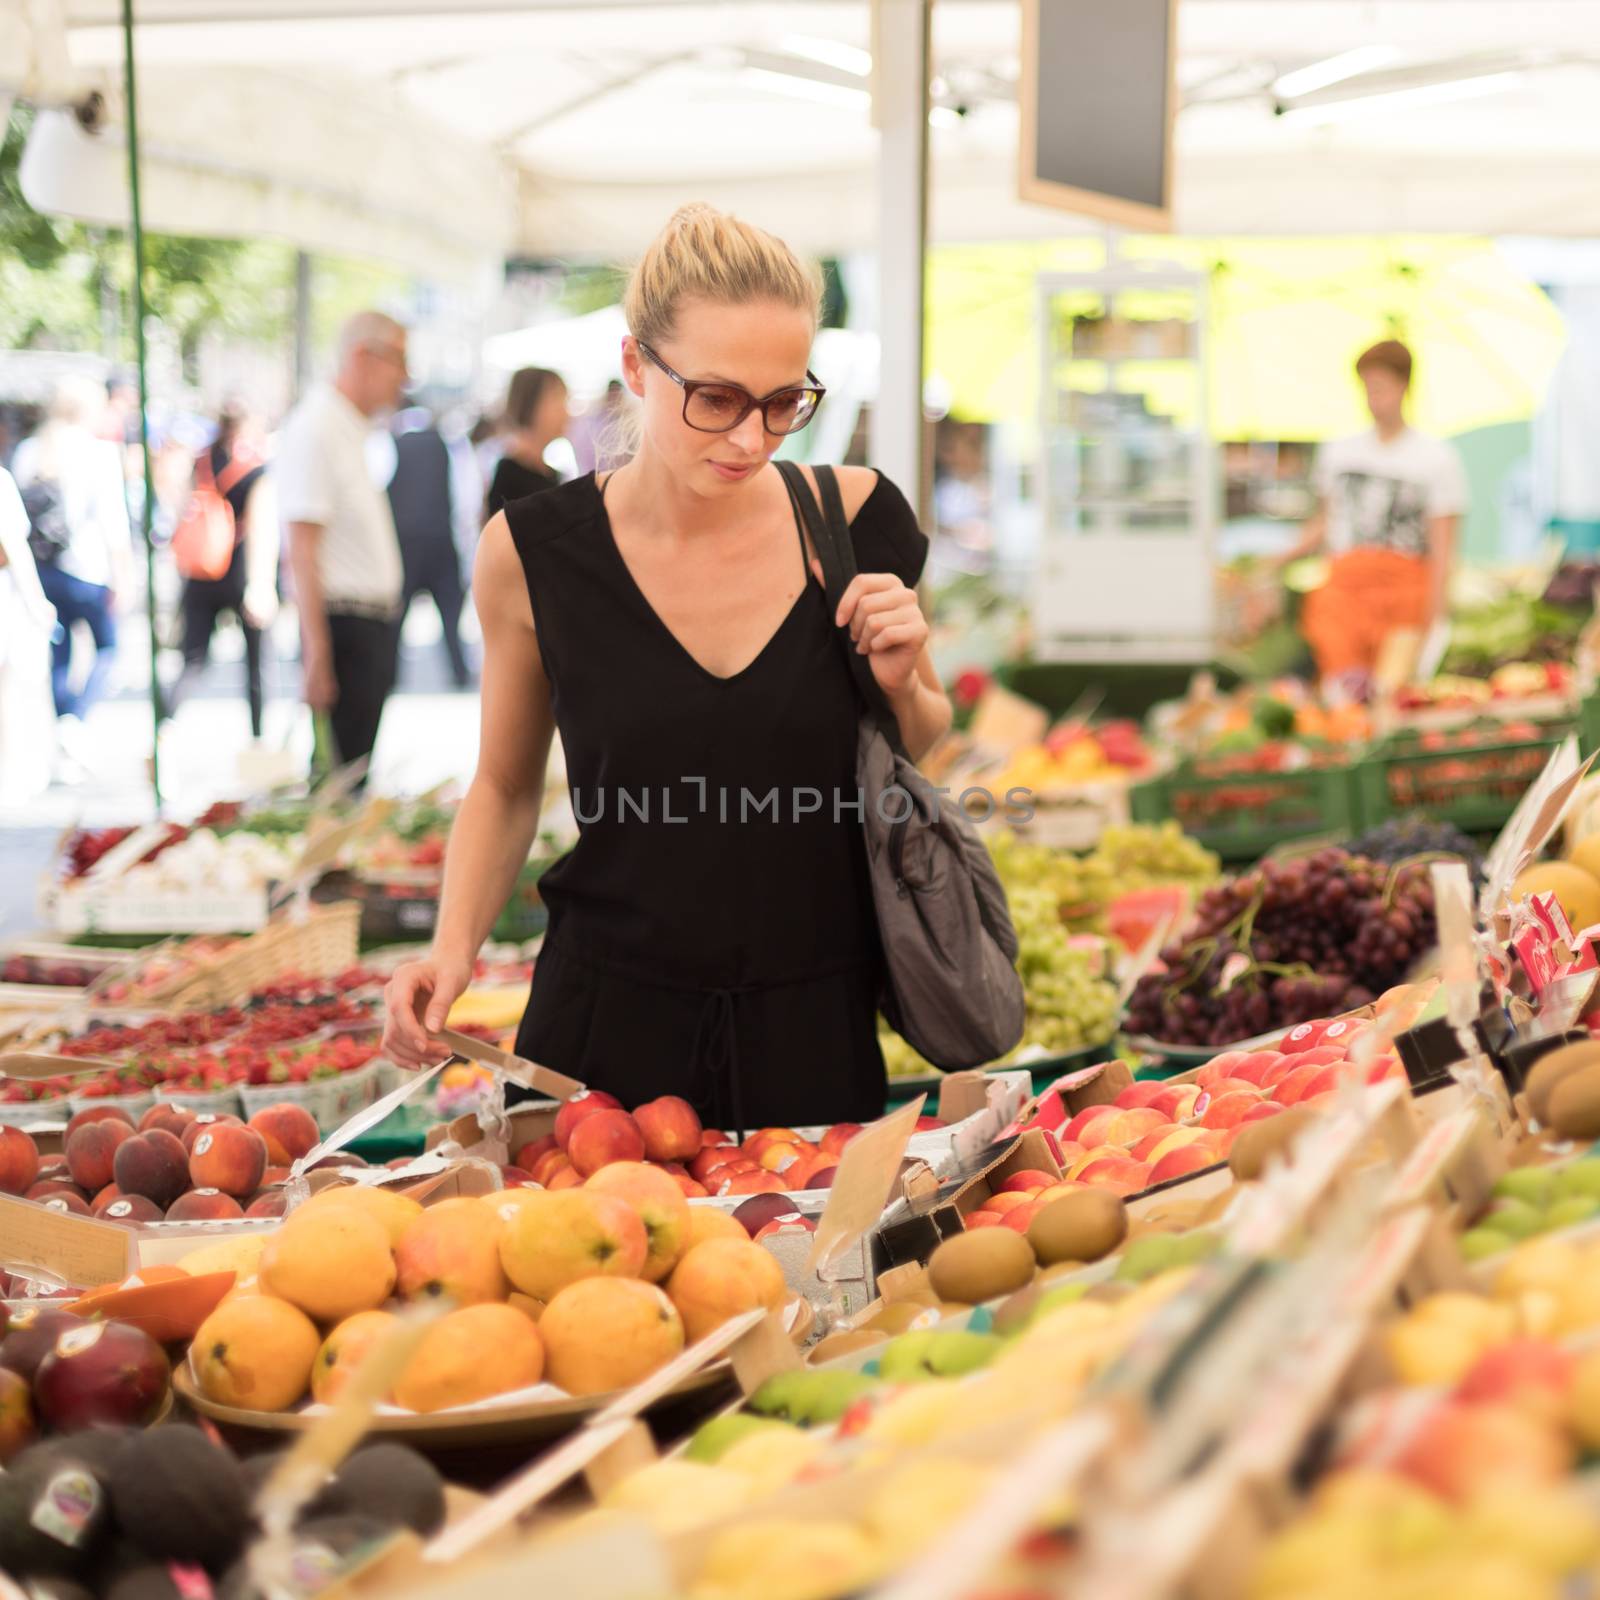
[[1028, 1152], [1055, 1107]]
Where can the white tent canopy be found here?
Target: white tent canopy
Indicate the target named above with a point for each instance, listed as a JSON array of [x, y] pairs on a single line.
[[442, 135]]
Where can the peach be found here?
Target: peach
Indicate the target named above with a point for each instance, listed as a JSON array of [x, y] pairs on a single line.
[[204, 1122], [757, 1182], [82, 1119], [798, 1173], [1127, 1126], [584, 1104], [92, 1150], [1385, 1067], [104, 1198], [1118, 1174], [557, 1238], [711, 1137], [1277, 1072], [1229, 1110], [720, 1279], [1043, 1197], [1233, 1086], [1006, 1200], [19, 1161], [526, 1154], [710, 1158], [1075, 1126], [706, 1222], [228, 1158], [838, 1136], [1295, 1085], [331, 1263], [203, 1205], [472, 1354], [1176, 1100], [129, 1209], [1023, 1182], [166, 1116], [153, 1164], [290, 1131], [762, 1137], [1067, 1151], [451, 1251], [515, 1178], [1140, 1094], [690, 1189], [267, 1203], [254, 1351], [1460, 1451], [47, 1188], [1254, 1067], [982, 1219], [1155, 1145], [568, 1177], [603, 1137], [662, 1206], [670, 1127], [1221, 1066], [602, 1334], [1177, 1163], [1097, 1130], [1261, 1111], [344, 1350], [1021, 1217]]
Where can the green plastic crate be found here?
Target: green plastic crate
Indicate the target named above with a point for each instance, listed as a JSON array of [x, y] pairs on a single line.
[[1476, 787], [1243, 815]]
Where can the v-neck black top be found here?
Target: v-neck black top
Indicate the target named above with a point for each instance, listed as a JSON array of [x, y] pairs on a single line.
[[712, 932]]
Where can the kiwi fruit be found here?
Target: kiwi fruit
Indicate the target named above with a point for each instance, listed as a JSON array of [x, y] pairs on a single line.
[[1550, 1070], [1260, 1143], [973, 1267], [1078, 1227], [846, 1343], [1575, 1104]]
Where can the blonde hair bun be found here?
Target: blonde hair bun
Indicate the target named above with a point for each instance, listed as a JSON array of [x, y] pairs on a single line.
[[705, 254]]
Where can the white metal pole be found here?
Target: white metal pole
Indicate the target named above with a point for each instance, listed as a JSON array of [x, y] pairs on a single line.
[[901, 55]]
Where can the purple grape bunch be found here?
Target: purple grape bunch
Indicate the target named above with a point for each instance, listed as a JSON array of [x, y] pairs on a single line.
[[1287, 942]]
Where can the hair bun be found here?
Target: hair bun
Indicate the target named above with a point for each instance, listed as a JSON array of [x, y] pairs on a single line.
[[694, 211]]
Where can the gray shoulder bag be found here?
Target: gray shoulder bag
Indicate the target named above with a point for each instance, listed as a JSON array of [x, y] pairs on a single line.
[[951, 990]]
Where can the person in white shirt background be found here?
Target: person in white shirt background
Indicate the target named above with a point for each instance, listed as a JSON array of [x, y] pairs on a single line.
[[1389, 508], [343, 551], [27, 622], [73, 481]]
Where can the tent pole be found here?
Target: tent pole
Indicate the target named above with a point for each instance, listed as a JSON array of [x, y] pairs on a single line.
[[147, 515]]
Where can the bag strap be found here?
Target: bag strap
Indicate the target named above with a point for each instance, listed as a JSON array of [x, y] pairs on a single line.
[[830, 535]]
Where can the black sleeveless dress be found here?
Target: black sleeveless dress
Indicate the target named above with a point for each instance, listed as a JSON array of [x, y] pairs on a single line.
[[712, 933]]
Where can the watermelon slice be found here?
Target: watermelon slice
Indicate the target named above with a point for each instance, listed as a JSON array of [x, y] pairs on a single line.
[[1134, 916]]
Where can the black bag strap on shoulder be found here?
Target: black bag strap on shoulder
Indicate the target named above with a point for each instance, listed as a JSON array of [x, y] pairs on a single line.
[[830, 535]]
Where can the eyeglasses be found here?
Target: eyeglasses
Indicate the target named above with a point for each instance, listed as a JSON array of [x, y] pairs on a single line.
[[721, 407]]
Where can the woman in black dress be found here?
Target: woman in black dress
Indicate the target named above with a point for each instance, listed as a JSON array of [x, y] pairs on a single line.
[[712, 933], [536, 416]]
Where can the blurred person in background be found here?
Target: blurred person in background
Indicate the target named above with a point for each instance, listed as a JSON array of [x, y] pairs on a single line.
[[1389, 506], [72, 489], [536, 416], [27, 622], [232, 472], [599, 436], [424, 496], [343, 551]]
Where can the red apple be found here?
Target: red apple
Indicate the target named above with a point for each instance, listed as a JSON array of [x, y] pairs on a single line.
[[602, 1137], [821, 1175], [757, 1182], [670, 1127], [17, 1424], [585, 1103], [525, 1155], [711, 1137], [32, 1335], [107, 1374]]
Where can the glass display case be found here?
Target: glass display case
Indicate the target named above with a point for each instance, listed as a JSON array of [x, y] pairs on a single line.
[[1127, 480]]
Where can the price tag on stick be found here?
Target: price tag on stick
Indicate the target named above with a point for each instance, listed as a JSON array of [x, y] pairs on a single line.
[[863, 1183]]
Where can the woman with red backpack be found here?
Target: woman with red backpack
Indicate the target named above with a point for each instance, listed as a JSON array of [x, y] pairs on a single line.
[[226, 548]]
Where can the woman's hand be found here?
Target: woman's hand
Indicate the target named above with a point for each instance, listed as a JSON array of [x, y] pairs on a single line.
[[887, 625], [416, 1004]]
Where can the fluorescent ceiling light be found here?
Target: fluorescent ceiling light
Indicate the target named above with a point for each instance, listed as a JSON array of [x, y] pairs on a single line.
[[1426, 94], [830, 53], [828, 94], [1324, 74]]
